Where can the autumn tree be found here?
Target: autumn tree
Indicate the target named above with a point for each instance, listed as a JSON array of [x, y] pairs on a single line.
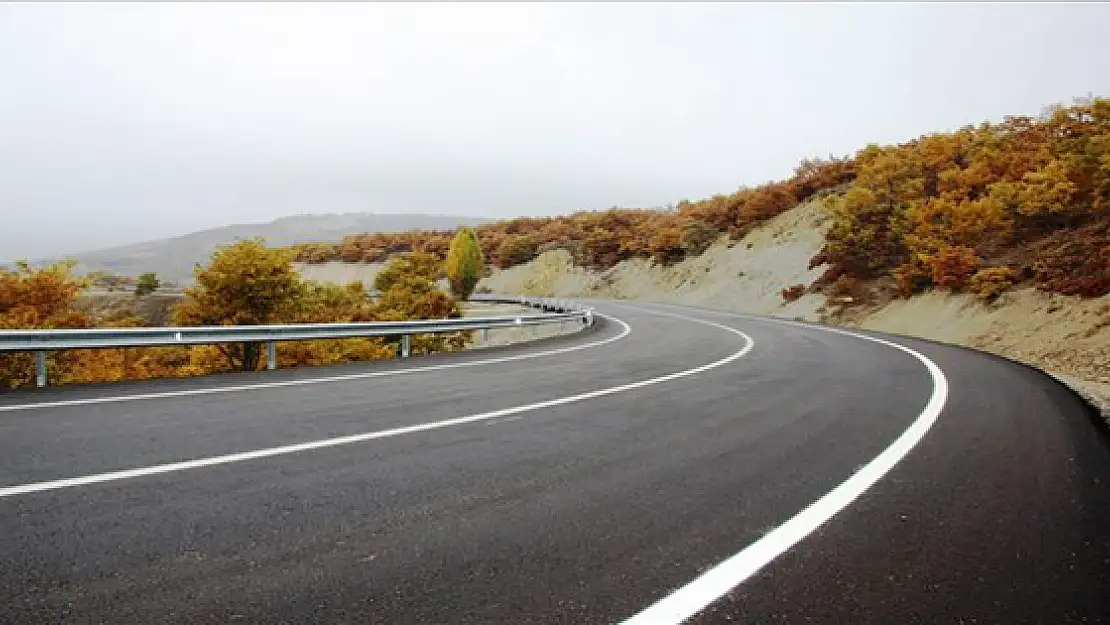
[[129, 363], [331, 303], [409, 291], [464, 263], [948, 207], [413, 266], [516, 249], [916, 211], [38, 298], [245, 283]]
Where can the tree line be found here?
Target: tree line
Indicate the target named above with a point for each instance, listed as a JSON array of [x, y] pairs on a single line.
[[981, 208], [601, 239], [246, 283]]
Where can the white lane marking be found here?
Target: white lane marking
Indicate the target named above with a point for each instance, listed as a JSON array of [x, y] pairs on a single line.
[[112, 476], [722, 578], [625, 330], [505, 420]]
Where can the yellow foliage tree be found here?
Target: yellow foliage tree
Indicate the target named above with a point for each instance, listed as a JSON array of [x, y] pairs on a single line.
[[414, 265], [246, 283], [38, 298], [464, 263], [330, 303], [411, 293]]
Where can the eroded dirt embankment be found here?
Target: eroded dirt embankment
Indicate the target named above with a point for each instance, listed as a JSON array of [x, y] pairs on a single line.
[[1067, 336]]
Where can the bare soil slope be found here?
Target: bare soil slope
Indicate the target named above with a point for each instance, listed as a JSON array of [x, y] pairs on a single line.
[[747, 275], [1068, 336], [154, 309], [340, 273]]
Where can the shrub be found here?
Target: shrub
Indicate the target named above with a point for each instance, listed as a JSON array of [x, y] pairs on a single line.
[[33, 298], [147, 284], [794, 292], [1075, 262], [990, 282], [516, 249], [912, 278], [849, 290], [952, 267], [414, 265], [374, 255]]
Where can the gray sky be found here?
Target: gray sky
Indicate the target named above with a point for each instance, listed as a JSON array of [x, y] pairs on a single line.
[[123, 122]]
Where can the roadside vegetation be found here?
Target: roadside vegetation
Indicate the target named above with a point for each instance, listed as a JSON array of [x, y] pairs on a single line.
[[980, 209], [601, 239], [245, 283], [146, 284], [464, 263]]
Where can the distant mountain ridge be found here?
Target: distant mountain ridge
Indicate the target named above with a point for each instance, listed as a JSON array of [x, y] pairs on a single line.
[[174, 258]]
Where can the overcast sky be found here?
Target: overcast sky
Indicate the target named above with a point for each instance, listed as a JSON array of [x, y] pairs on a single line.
[[124, 122]]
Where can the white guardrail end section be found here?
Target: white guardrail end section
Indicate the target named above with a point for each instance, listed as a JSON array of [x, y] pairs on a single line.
[[43, 341]]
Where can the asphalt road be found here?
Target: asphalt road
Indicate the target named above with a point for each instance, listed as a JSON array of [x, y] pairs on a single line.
[[669, 463]]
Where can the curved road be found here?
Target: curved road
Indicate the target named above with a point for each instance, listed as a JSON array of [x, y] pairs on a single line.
[[669, 464]]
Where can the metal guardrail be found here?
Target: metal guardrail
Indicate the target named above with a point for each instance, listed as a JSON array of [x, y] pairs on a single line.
[[43, 341]]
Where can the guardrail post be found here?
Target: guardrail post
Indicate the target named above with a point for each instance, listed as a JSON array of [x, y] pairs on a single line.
[[485, 335], [40, 368], [271, 355], [406, 345]]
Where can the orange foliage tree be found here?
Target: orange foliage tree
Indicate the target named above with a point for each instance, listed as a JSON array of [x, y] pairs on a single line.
[[244, 284], [899, 210], [38, 298], [936, 210]]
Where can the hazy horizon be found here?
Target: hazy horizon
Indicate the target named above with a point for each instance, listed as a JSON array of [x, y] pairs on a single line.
[[226, 225], [129, 122]]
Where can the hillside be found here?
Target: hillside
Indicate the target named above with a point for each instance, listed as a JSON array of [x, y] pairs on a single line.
[[1066, 335], [973, 236], [173, 258]]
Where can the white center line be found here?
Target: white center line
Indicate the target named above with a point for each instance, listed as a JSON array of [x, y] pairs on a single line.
[[23, 489], [625, 330], [722, 578]]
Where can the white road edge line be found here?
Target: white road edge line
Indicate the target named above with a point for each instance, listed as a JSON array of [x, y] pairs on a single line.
[[697, 595], [23, 489], [337, 378]]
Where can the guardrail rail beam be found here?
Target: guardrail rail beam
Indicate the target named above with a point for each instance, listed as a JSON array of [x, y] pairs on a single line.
[[41, 342]]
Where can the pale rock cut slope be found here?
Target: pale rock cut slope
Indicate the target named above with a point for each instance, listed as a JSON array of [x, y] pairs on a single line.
[[1068, 336]]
